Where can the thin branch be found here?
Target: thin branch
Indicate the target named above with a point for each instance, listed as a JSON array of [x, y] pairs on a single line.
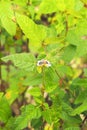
[[60, 77]]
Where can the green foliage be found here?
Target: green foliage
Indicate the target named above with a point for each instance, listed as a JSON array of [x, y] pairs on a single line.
[[72, 128], [20, 61], [29, 112], [47, 3], [5, 111], [80, 98], [76, 37], [81, 108], [80, 82], [35, 92], [69, 53], [6, 15], [35, 33], [44, 64]]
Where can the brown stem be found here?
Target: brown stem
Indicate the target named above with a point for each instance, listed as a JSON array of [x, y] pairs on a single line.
[[60, 77], [66, 22]]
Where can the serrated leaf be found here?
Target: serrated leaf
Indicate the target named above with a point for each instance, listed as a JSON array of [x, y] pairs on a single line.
[[80, 82], [35, 33], [23, 60], [29, 112], [10, 123], [47, 115], [50, 79], [69, 120], [36, 123], [66, 107], [80, 98], [80, 109], [33, 79]]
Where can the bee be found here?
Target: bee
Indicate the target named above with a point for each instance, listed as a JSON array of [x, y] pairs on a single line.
[[43, 62]]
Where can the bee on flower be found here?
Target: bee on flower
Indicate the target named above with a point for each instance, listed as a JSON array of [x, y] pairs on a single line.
[[43, 62]]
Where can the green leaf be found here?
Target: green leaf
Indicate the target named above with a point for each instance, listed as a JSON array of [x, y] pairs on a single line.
[[12, 92], [35, 33], [69, 120], [76, 37], [10, 124], [9, 25], [80, 109], [36, 92], [64, 70], [54, 40], [18, 2], [69, 53], [78, 5], [80, 82], [37, 123], [47, 115], [80, 98], [53, 114], [6, 15], [36, 2], [61, 5], [29, 112], [48, 6], [6, 9], [33, 79], [5, 111], [23, 60], [67, 108], [50, 79], [72, 128], [4, 72]]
